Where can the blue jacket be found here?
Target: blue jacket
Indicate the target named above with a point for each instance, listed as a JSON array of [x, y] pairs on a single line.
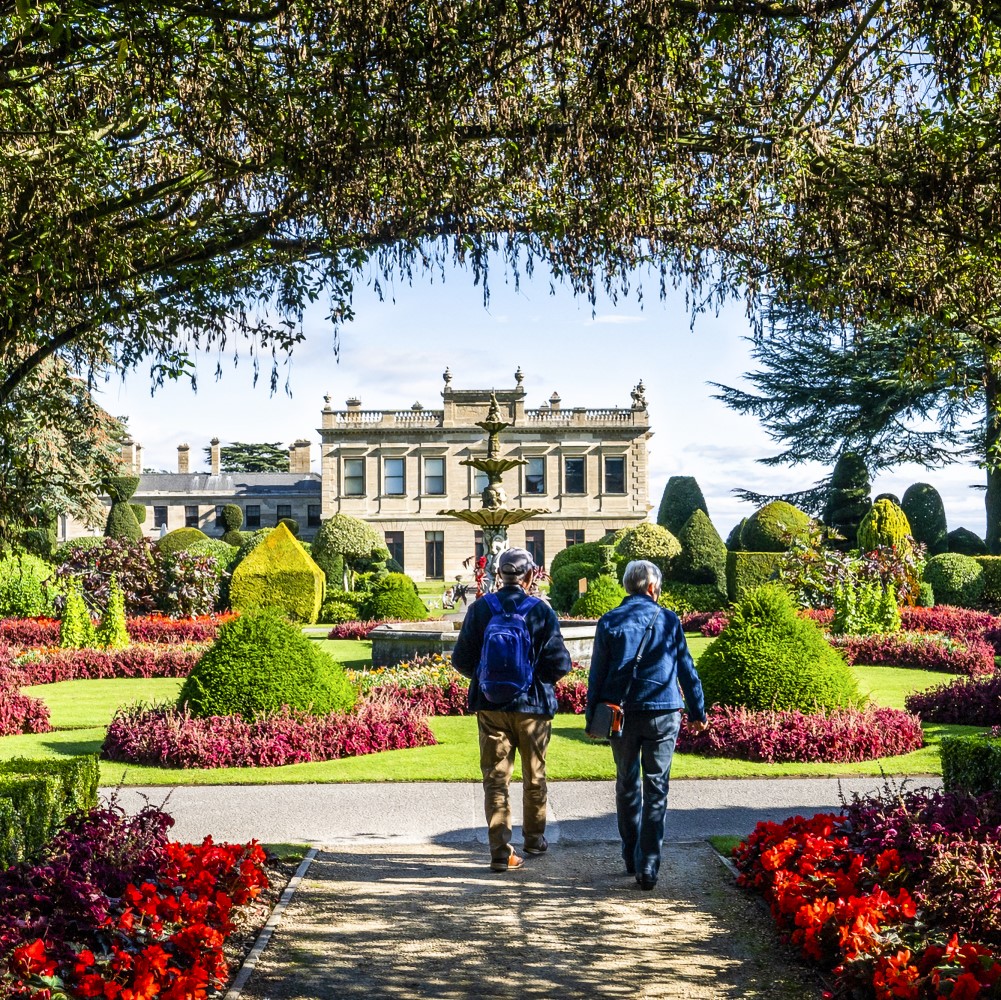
[[549, 654], [665, 664]]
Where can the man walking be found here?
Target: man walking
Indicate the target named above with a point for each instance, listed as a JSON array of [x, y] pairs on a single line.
[[511, 649]]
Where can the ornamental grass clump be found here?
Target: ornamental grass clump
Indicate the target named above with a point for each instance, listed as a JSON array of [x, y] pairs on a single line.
[[769, 658], [261, 663]]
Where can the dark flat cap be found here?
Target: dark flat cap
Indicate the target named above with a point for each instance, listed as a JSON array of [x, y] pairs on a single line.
[[514, 562]]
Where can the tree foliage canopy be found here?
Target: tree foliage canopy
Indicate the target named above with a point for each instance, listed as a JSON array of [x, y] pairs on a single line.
[[258, 457]]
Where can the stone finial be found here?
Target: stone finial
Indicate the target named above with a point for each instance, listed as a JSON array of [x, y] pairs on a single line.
[[326, 401], [447, 375], [417, 407], [638, 395], [139, 459], [519, 376]]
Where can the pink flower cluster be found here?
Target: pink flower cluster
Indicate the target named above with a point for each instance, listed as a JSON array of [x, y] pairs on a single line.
[[838, 737], [923, 650], [169, 737], [966, 701], [101, 664]]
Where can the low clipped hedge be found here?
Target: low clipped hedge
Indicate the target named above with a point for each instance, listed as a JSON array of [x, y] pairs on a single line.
[[972, 763], [991, 565], [921, 650], [746, 571], [20, 713], [956, 580], [105, 664], [37, 796], [691, 598]]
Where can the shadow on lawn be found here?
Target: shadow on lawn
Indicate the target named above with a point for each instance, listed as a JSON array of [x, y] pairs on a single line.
[[73, 748]]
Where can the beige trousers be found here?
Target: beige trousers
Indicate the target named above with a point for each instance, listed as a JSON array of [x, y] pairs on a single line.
[[501, 733]]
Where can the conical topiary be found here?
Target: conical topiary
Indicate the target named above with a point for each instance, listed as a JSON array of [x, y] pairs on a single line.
[[848, 500], [885, 526], [769, 658], [260, 662], [681, 498], [112, 631], [733, 539], [76, 630], [703, 553], [774, 528], [922, 504]]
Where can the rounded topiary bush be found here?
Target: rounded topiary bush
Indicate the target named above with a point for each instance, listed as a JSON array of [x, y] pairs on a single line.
[[340, 542], [769, 658], [774, 528], [393, 596], [925, 512], [602, 595], [291, 523], [703, 553], [139, 509], [600, 555], [955, 579], [885, 526], [966, 542], [564, 584], [180, 538], [232, 519], [681, 498], [647, 541], [260, 662]]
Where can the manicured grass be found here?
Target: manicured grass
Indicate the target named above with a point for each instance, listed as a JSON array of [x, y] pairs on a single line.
[[85, 704], [725, 845], [353, 653]]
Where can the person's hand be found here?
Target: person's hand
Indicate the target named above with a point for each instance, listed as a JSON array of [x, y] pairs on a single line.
[[699, 727]]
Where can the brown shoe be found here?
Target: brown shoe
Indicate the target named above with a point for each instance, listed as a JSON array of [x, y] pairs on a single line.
[[509, 864], [539, 846]]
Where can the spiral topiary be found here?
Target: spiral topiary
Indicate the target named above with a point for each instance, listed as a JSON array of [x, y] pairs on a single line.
[[925, 512], [768, 658], [260, 662], [885, 526], [955, 579], [774, 528], [602, 595]]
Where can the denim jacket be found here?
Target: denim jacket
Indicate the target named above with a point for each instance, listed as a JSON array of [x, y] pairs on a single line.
[[666, 662]]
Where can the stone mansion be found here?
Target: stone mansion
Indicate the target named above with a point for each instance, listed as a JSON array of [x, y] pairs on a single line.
[[396, 469]]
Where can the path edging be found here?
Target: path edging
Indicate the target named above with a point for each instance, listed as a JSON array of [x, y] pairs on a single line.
[[250, 962]]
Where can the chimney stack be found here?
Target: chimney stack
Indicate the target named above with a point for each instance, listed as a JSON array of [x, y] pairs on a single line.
[[554, 402], [139, 459], [215, 453], [128, 454], [182, 459], [302, 455], [291, 458]]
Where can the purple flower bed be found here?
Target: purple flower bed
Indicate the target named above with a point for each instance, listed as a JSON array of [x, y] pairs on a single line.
[[966, 701], [20, 713], [359, 629], [102, 664], [453, 698], [956, 622], [839, 737], [925, 651], [169, 737]]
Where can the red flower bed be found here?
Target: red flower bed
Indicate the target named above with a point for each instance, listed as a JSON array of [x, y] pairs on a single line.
[[955, 622], [29, 631], [148, 628], [359, 629], [846, 897], [970, 656], [967, 701], [841, 736], [20, 713], [169, 737], [113, 910], [100, 664]]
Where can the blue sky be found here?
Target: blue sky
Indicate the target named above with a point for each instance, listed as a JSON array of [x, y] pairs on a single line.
[[395, 350]]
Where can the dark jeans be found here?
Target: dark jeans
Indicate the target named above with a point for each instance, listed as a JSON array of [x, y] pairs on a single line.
[[647, 741]]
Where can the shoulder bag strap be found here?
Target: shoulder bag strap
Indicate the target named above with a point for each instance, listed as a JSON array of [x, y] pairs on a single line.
[[640, 653]]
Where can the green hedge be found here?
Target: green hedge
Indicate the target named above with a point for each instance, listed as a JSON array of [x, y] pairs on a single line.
[[745, 571], [37, 796], [971, 763], [992, 580]]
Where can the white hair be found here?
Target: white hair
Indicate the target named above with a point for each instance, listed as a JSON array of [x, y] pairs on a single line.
[[639, 574]]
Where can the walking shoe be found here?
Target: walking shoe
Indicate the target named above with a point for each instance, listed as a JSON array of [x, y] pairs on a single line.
[[539, 846], [509, 864], [646, 881]]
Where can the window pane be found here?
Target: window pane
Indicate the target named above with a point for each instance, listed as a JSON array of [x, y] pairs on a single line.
[[282, 510], [575, 536], [159, 517], [313, 515], [615, 475], [535, 476], [392, 483], [434, 476], [394, 542], [354, 477], [480, 481], [434, 555], [535, 545], [478, 544], [574, 479], [252, 515], [219, 522]]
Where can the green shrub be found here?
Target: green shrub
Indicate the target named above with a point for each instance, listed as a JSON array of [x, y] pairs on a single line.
[[925, 512], [121, 488], [122, 523], [864, 607], [139, 509], [647, 541], [180, 538], [746, 571], [393, 596], [333, 611], [892, 497], [37, 797], [232, 517], [291, 523], [885, 526], [220, 550], [769, 658], [112, 632], [703, 553], [278, 573], [602, 595], [848, 499], [564, 585], [260, 662], [76, 630], [955, 579], [926, 595], [971, 763], [680, 500], [85, 542], [23, 593], [991, 565], [733, 539], [966, 542], [683, 598], [340, 542], [599, 555], [774, 528]]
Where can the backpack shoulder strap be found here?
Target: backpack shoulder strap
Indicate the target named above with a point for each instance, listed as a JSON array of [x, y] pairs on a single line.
[[493, 603], [526, 604]]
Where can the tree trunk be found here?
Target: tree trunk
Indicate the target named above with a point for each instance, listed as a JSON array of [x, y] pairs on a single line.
[[992, 386]]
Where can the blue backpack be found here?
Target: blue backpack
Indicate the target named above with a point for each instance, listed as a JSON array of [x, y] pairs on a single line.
[[505, 669]]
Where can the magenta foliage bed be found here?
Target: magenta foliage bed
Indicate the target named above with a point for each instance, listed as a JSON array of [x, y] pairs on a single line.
[[102, 664], [20, 713], [148, 628], [967, 701], [169, 737], [922, 650], [359, 629], [838, 737], [452, 698]]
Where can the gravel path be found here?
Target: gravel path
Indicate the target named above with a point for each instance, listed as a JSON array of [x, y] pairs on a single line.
[[431, 920]]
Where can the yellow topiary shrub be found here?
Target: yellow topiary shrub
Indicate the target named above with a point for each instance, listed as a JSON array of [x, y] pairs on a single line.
[[279, 573]]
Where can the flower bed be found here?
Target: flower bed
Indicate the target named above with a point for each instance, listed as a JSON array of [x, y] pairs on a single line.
[[925, 651], [164, 736], [44, 632], [113, 910], [20, 713], [102, 664], [838, 737], [955, 622], [897, 898], [359, 629], [964, 702]]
